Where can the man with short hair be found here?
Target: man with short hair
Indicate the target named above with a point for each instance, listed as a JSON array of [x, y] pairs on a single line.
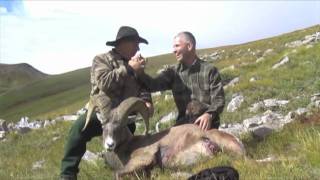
[[190, 79], [112, 80]]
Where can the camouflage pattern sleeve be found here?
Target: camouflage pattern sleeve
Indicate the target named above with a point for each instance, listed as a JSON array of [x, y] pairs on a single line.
[[105, 76]]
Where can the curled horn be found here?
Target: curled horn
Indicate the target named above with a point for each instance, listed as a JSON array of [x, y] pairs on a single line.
[[130, 105]]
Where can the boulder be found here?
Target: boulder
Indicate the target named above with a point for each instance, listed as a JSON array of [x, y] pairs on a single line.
[[294, 44], [2, 135], [232, 83], [90, 157], [235, 103], [253, 79], [257, 106], [3, 125], [260, 59], [283, 61], [267, 52], [261, 132], [235, 129], [252, 122]]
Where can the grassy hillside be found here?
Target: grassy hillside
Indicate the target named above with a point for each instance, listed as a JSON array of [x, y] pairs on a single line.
[[295, 149], [49, 97], [14, 75]]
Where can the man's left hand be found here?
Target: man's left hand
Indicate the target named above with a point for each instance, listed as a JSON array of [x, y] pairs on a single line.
[[204, 121]]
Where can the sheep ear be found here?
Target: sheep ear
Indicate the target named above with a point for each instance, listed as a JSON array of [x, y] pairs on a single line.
[[131, 105]]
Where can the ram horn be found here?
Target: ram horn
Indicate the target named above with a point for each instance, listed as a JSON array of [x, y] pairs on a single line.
[[133, 105]]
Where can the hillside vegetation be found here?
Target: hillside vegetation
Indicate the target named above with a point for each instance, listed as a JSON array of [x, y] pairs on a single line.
[[294, 150], [13, 75]]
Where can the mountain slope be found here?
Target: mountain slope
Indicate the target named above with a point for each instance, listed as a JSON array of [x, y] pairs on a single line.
[[65, 93], [13, 75], [46, 95]]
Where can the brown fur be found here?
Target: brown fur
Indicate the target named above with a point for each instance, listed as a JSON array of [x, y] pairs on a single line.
[[181, 142]]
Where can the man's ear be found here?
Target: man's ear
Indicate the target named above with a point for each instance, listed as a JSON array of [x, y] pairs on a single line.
[[189, 46]]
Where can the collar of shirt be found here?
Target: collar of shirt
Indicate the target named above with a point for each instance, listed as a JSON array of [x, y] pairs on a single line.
[[194, 65]]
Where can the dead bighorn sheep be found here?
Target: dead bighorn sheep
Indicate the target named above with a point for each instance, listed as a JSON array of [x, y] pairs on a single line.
[[179, 145]]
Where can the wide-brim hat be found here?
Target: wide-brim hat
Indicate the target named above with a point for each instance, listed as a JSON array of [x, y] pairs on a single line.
[[126, 32]]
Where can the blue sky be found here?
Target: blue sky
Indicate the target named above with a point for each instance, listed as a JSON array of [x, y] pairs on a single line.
[[60, 36]]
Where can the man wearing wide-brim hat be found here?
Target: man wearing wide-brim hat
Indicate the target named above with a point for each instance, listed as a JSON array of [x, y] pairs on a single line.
[[112, 80]]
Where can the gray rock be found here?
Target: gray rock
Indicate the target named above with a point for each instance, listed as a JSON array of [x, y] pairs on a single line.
[[167, 118], [48, 123], [257, 106], [267, 52], [232, 83], [260, 59], [2, 135], [301, 111], [252, 122], [253, 79], [38, 165], [308, 39], [288, 118], [294, 44], [274, 102], [261, 132], [283, 61], [3, 125], [267, 103], [271, 118], [11, 126], [235, 103], [90, 156], [235, 129]]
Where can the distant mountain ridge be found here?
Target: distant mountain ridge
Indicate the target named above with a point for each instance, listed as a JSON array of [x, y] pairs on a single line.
[[13, 75]]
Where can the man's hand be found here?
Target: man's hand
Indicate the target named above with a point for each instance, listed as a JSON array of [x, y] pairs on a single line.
[[150, 108], [137, 63], [204, 121]]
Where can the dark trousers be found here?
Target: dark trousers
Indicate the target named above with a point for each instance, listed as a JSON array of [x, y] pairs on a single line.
[[75, 146]]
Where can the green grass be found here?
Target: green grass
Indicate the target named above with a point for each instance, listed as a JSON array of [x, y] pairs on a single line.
[[296, 149]]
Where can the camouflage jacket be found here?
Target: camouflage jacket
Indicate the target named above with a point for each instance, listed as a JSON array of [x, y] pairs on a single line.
[[201, 82], [112, 81]]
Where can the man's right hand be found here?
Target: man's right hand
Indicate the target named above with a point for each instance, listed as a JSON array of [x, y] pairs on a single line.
[[137, 63]]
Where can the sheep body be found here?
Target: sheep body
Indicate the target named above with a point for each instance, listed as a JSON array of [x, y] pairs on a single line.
[[178, 146]]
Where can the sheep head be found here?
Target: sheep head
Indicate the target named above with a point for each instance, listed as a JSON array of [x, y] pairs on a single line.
[[115, 130]]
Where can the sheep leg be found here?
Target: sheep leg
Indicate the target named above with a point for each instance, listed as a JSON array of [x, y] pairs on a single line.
[[226, 141], [140, 159]]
